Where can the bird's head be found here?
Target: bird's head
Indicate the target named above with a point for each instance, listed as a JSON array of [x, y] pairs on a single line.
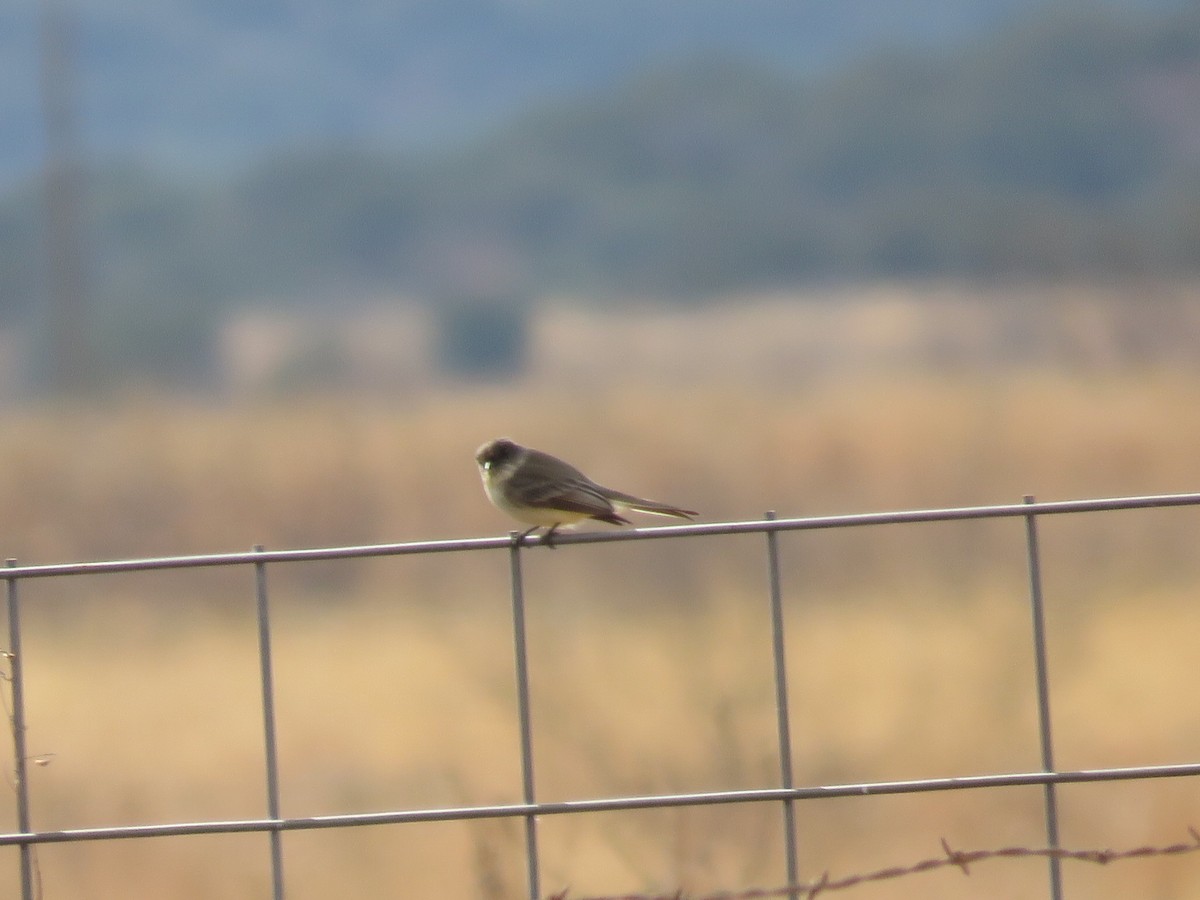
[[496, 453]]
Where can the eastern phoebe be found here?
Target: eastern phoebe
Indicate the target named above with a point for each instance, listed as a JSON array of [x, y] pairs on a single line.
[[545, 492]]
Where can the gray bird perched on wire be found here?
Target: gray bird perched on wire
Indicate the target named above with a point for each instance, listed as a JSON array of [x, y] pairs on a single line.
[[543, 491]]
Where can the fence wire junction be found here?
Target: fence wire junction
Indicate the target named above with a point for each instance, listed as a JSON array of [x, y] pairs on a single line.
[[786, 793]]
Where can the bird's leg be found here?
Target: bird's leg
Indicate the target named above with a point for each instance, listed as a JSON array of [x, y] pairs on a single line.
[[548, 537], [526, 533]]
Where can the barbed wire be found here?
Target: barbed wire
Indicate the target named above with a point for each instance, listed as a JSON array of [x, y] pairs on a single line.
[[961, 859]]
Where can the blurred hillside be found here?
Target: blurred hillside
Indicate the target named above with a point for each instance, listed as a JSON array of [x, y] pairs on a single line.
[[1066, 146], [205, 84]]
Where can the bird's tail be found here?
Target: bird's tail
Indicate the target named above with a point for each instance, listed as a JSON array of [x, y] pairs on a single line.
[[653, 507]]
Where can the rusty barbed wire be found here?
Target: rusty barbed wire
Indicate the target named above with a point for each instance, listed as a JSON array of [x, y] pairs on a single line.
[[961, 859]]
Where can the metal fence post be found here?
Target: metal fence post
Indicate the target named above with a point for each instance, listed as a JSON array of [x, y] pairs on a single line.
[[533, 870], [20, 754], [1043, 695], [268, 707], [781, 702]]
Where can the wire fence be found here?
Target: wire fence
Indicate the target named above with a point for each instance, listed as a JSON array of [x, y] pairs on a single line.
[[786, 793]]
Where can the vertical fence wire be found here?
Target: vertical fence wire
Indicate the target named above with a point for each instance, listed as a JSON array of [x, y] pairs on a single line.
[[533, 870], [1043, 695], [781, 702], [270, 747], [20, 755]]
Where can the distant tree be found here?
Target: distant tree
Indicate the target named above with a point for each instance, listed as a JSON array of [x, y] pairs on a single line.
[[482, 337]]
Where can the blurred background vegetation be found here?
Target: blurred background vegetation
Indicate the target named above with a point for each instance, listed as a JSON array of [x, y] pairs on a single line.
[[269, 273], [502, 154]]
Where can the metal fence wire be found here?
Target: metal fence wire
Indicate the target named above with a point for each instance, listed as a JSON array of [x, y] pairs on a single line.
[[786, 793]]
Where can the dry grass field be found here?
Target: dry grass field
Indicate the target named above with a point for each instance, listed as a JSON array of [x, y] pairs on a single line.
[[909, 649]]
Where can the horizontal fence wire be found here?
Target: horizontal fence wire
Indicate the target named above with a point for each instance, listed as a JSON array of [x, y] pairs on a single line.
[[606, 804], [757, 526], [275, 824]]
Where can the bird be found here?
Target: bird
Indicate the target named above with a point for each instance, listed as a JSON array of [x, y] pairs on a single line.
[[541, 490]]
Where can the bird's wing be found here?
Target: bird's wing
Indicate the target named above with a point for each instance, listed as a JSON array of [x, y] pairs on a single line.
[[572, 496], [550, 483]]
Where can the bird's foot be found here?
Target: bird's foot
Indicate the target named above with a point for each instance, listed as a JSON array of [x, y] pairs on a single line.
[[546, 539]]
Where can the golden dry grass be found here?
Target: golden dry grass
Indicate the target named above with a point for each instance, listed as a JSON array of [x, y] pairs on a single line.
[[908, 647]]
